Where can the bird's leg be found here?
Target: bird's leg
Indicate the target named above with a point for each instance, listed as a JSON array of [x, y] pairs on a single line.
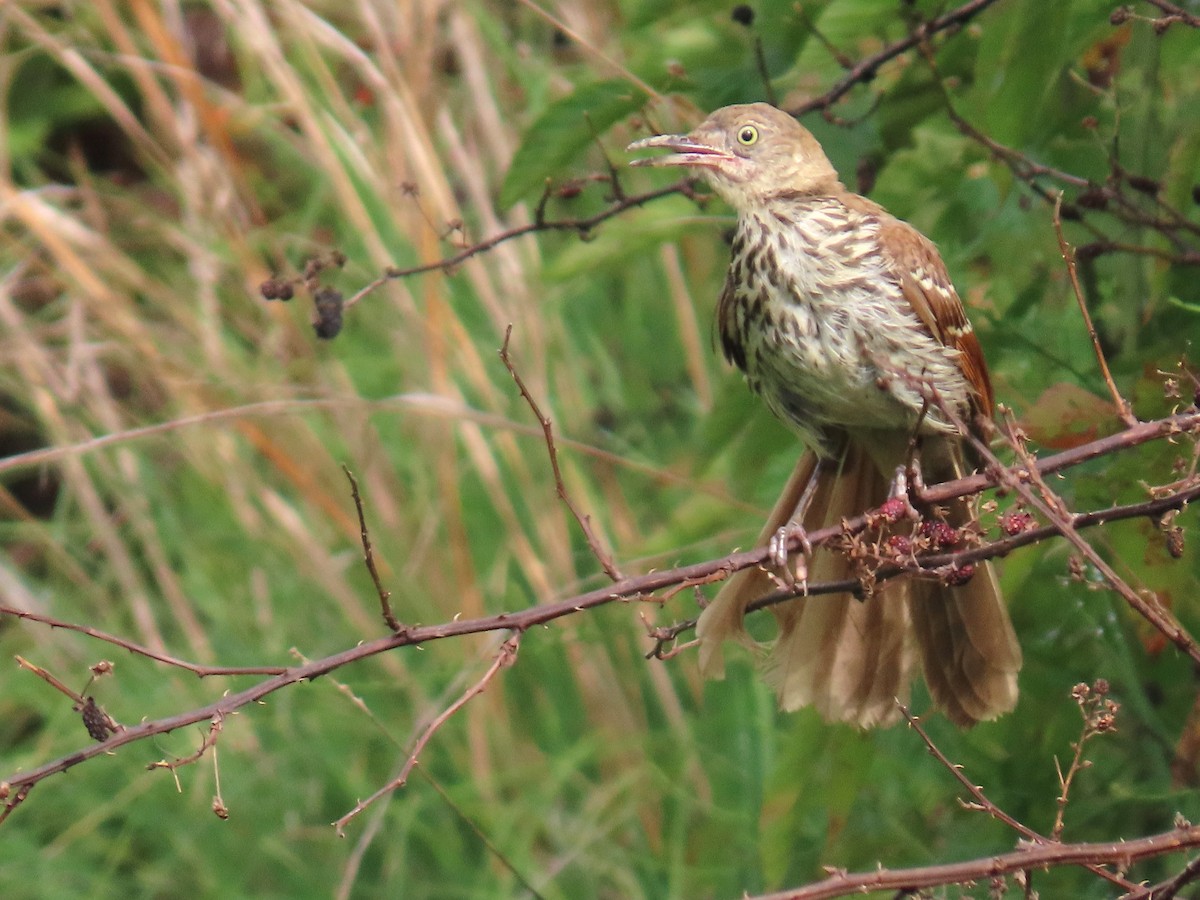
[[908, 483], [794, 529]]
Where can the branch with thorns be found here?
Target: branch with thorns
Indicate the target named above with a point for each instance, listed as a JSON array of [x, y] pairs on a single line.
[[1016, 477], [1172, 14], [1109, 196], [283, 288], [906, 882], [585, 523], [505, 656], [980, 802]]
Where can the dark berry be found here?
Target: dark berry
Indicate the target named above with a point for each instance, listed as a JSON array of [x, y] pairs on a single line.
[[743, 14], [940, 534], [894, 509], [1015, 522], [960, 575]]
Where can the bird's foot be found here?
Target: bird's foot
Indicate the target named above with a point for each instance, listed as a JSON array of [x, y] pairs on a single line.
[[778, 552], [906, 484]]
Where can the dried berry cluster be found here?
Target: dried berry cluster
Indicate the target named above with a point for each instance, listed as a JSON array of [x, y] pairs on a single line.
[[328, 303]]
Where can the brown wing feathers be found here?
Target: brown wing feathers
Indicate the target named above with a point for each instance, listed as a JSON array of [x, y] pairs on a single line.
[[921, 274]]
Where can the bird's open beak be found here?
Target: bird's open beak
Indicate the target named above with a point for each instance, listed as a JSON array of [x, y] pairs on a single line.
[[688, 152]]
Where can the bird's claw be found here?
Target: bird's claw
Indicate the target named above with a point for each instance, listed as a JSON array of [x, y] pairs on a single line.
[[906, 484], [778, 551]]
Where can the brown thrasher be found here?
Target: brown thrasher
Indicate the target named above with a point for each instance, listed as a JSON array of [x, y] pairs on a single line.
[[845, 322]]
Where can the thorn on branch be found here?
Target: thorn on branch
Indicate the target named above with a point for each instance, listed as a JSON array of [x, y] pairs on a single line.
[[209, 740]]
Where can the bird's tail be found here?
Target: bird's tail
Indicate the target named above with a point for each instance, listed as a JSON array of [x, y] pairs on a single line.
[[968, 649], [852, 659]]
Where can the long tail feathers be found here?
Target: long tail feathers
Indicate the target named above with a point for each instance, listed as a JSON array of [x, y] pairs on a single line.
[[853, 659], [969, 651], [722, 618]]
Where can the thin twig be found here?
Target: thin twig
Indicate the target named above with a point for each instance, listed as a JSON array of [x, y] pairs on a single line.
[[983, 803], [842, 58], [866, 69], [369, 557], [1124, 410], [210, 740], [504, 657], [1099, 717], [195, 668], [1174, 14], [49, 678], [760, 62], [11, 800], [1169, 888], [583, 226], [1037, 856], [585, 523]]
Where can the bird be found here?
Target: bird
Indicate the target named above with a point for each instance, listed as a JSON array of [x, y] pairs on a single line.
[[844, 321]]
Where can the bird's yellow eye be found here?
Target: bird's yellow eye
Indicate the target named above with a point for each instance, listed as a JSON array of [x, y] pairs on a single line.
[[747, 135]]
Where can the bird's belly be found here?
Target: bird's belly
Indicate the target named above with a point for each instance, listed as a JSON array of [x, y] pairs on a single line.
[[824, 367], [823, 385]]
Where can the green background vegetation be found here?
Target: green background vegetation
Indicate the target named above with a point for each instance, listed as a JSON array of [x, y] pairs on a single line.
[[143, 203]]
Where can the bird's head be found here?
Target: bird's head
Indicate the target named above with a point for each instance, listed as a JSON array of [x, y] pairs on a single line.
[[748, 153]]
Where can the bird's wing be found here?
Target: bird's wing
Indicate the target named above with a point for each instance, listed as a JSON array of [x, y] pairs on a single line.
[[918, 268]]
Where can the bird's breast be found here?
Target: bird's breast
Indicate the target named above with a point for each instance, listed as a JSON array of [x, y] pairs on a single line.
[[822, 331]]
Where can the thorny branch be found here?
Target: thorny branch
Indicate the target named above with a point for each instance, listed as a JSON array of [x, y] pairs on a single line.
[[983, 803], [505, 657], [1025, 470], [582, 226], [1066, 525], [907, 881], [866, 69], [1124, 410], [17, 785], [585, 523], [385, 595]]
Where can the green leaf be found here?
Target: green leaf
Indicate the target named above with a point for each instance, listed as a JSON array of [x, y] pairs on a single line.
[[563, 131]]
